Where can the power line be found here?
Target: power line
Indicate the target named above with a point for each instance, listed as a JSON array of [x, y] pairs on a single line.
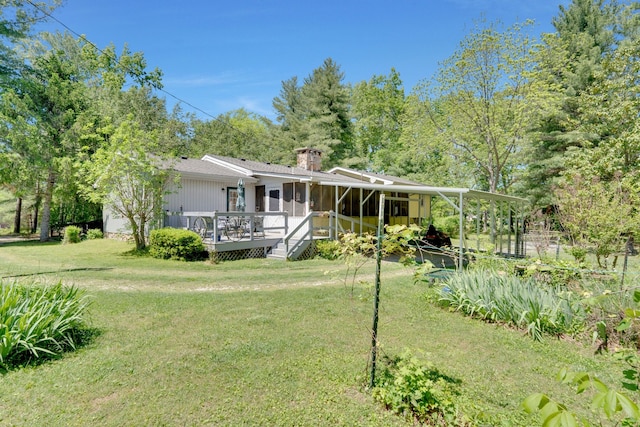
[[177, 98]]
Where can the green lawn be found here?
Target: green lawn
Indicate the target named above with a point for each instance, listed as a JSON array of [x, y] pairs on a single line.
[[260, 342]]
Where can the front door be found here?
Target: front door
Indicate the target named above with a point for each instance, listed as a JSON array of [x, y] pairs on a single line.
[[260, 193]]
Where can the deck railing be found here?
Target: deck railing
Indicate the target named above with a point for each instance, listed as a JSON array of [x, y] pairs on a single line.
[[214, 225]]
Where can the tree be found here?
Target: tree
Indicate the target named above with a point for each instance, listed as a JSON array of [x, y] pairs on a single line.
[[316, 114], [585, 209], [127, 179], [48, 117], [378, 108], [421, 156], [16, 19], [610, 111], [328, 120], [568, 66], [480, 103], [238, 134]]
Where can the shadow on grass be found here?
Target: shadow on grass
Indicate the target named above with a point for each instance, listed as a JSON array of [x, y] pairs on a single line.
[[65, 270], [81, 338], [28, 242]]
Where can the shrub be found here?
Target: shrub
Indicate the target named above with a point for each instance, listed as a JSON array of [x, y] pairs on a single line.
[[501, 297], [417, 391], [94, 234], [449, 225], [328, 249], [72, 234], [37, 322], [177, 244]]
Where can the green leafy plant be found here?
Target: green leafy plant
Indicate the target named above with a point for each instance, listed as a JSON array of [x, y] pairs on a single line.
[[358, 250], [94, 233], [177, 244], [72, 234], [328, 249], [37, 322], [501, 297], [417, 390], [616, 406]]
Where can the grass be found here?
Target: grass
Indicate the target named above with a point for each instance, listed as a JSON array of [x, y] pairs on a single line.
[[260, 342]]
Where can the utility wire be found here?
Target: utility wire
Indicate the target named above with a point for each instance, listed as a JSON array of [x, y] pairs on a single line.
[[177, 98]]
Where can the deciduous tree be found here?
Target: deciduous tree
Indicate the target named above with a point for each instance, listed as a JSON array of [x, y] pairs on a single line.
[[479, 103], [129, 181], [378, 108]]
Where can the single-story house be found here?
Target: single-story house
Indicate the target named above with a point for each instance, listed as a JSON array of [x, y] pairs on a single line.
[[285, 203]]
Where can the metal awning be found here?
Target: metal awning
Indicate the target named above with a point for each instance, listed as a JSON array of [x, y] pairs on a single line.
[[428, 190]]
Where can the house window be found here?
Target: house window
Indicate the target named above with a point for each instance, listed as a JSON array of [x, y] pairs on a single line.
[[287, 197], [232, 198], [300, 199], [322, 198], [274, 200], [260, 189]]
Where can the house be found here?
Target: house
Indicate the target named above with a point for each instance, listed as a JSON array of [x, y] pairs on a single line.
[[293, 204]]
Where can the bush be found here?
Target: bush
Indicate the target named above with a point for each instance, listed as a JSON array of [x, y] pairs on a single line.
[[177, 244], [417, 391], [39, 322], [94, 234], [328, 249], [72, 234], [450, 225]]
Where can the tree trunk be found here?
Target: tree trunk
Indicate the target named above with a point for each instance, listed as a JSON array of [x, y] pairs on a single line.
[[16, 219], [36, 210], [46, 208]]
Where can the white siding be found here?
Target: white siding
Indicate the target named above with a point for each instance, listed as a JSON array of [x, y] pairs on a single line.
[[205, 196]]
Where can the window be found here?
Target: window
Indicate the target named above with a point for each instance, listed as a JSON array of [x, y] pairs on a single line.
[[274, 200], [232, 198]]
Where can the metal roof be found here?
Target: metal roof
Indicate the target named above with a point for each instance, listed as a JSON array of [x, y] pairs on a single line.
[[424, 189]]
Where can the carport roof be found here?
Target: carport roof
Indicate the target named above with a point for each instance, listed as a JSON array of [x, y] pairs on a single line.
[[428, 190]]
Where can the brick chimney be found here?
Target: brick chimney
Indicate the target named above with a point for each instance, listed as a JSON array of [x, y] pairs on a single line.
[[309, 159]]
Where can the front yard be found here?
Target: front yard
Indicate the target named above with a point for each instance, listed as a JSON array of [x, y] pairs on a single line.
[[262, 342]]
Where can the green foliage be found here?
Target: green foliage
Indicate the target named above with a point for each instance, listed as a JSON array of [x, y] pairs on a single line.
[[378, 108], [551, 272], [501, 297], [317, 113], [72, 234], [125, 177], [94, 233], [584, 210], [449, 225], [616, 406], [417, 390], [481, 102], [38, 322], [328, 249], [177, 244]]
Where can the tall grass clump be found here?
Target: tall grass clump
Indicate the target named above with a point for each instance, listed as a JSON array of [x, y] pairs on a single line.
[[39, 322], [500, 297]]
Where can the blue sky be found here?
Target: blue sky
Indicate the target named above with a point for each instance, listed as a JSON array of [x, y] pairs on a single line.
[[224, 55]]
